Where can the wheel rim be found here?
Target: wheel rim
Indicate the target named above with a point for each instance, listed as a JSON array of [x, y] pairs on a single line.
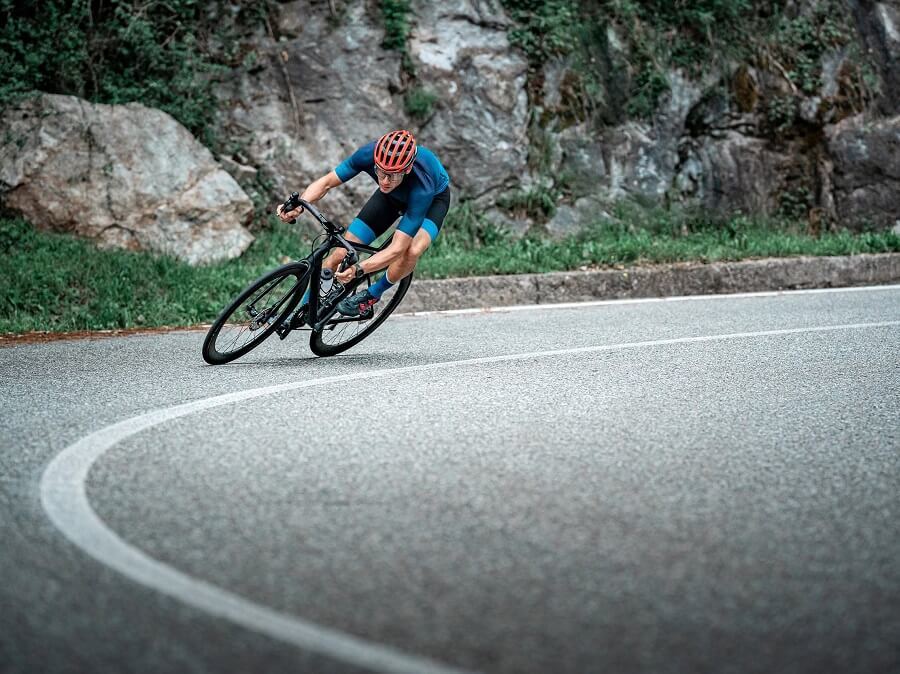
[[254, 317], [340, 330]]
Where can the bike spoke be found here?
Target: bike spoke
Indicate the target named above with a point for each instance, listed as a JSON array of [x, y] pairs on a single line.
[[253, 317], [335, 333]]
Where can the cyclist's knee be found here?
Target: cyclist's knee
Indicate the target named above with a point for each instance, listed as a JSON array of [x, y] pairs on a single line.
[[416, 249], [334, 258], [409, 258]]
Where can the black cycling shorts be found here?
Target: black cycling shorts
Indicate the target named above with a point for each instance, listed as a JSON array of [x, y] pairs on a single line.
[[382, 210]]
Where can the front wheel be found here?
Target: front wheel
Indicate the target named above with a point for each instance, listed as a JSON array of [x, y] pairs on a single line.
[[255, 313], [340, 333]]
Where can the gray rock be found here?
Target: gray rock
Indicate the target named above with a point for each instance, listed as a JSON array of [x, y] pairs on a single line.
[[352, 92], [566, 221], [125, 175], [480, 124], [344, 86], [879, 26], [240, 172], [571, 219], [582, 161], [866, 159], [635, 159], [810, 109], [732, 173], [515, 226]]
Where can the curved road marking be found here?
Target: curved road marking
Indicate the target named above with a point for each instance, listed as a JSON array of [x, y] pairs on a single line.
[[64, 498]]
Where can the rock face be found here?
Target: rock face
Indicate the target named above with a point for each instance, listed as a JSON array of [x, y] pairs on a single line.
[[125, 175], [353, 91], [481, 120], [866, 158], [879, 26], [733, 172], [343, 90], [499, 127]]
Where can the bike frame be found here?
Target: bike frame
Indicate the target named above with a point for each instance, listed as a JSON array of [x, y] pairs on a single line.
[[315, 259]]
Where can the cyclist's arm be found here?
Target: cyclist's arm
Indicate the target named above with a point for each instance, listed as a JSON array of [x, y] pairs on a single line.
[[382, 259], [403, 236], [319, 188]]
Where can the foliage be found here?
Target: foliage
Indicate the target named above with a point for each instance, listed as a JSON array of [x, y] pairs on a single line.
[[467, 228], [157, 53], [795, 49], [801, 41], [396, 24], [637, 236], [542, 28], [781, 113], [419, 102], [658, 33], [59, 282], [538, 201]]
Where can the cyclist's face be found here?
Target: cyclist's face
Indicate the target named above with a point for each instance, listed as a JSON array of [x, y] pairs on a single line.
[[388, 181]]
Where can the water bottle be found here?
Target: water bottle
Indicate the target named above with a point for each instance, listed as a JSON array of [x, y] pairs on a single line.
[[326, 280]]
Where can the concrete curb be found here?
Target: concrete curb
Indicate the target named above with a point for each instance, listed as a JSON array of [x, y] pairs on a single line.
[[654, 281]]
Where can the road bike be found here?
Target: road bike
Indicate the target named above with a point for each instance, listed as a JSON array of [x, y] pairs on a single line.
[[267, 306]]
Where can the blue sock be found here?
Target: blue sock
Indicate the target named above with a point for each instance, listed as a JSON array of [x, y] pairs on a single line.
[[378, 288]]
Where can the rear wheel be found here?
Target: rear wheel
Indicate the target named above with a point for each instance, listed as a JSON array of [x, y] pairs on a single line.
[[255, 313], [341, 332]]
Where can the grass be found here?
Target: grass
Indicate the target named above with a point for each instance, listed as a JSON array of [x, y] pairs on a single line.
[[637, 236], [57, 282]]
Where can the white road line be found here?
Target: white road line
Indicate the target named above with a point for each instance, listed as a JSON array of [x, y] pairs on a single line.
[[64, 498], [644, 300]]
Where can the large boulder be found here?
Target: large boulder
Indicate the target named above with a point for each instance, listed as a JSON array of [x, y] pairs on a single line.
[[125, 175], [866, 178], [637, 159]]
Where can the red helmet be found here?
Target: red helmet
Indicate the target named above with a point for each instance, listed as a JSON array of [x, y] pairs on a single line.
[[395, 151]]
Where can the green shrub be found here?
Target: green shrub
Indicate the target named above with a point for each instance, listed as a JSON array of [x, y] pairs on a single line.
[[155, 53], [419, 103], [537, 202], [396, 24]]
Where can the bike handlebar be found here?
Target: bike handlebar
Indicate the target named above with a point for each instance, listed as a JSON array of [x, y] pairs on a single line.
[[295, 201]]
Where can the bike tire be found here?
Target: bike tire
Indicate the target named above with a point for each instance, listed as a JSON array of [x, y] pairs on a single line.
[[321, 347], [282, 303]]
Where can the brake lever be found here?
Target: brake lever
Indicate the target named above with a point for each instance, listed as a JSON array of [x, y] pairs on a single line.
[[292, 202], [349, 260]]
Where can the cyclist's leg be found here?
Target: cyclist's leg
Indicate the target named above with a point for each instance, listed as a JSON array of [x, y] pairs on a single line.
[[422, 240], [373, 220]]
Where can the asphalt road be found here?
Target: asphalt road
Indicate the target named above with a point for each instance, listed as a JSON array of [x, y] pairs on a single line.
[[656, 496]]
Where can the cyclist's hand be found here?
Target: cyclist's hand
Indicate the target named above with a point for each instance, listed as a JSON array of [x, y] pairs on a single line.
[[290, 215], [347, 275]]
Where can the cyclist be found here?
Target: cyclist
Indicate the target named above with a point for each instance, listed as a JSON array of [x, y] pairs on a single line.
[[412, 183]]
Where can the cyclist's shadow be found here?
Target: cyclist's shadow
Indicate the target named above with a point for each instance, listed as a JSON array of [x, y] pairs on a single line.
[[376, 360]]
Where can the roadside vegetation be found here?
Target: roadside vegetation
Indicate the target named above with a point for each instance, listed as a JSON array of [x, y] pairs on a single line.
[[164, 55], [55, 282]]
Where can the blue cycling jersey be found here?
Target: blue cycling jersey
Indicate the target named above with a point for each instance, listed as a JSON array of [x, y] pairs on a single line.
[[427, 179]]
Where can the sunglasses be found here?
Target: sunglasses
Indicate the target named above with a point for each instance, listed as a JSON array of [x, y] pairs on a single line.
[[390, 177]]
